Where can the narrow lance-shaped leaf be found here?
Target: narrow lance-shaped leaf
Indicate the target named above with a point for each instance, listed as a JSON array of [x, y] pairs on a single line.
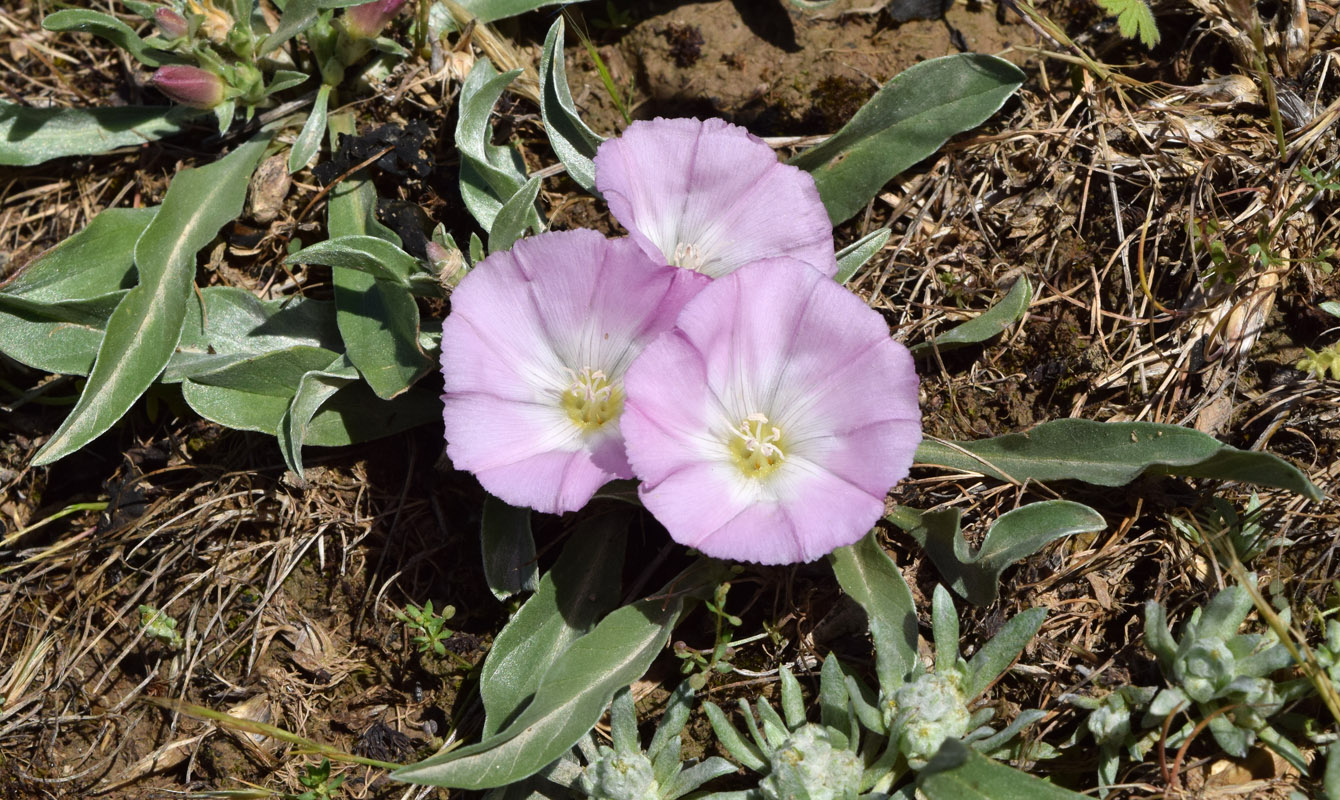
[[147, 323], [908, 119], [855, 255], [309, 138], [1113, 454], [31, 136], [957, 772], [582, 586], [378, 319], [570, 699], [508, 547], [993, 321], [314, 389], [107, 27], [515, 216], [1015, 536], [574, 143], [870, 577]]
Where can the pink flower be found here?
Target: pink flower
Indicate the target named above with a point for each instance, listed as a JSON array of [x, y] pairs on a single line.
[[172, 24], [189, 85], [771, 422], [710, 196], [368, 19], [534, 354]]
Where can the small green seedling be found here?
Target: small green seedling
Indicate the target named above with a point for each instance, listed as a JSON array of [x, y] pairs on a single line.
[[699, 667], [318, 783], [159, 626], [432, 627]]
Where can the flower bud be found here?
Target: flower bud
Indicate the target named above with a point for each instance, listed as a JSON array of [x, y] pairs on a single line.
[[450, 267], [368, 19], [188, 85], [215, 22], [172, 24]]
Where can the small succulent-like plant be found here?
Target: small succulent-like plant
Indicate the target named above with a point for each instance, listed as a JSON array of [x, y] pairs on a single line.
[[626, 771], [1224, 674], [158, 625], [1110, 723], [908, 720]]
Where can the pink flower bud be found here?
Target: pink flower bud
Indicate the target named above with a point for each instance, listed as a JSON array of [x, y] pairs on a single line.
[[368, 19], [450, 264], [190, 86], [172, 24]]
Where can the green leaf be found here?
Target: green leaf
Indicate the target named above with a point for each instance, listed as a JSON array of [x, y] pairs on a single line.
[[314, 389], [944, 629], [354, 414], [297, 17], [489, 174], [237, 326], [508, 547], [96, 261], [309, 138], [957, 772], [574, 143], [375, 256], [254, 394], [870, 577], [515, 216], [994, 657], [582, 586], [908, 119], [570, 699], [31, 136], [1135, 19], [107, 27], [1113, 454], [55, 337], [379, 320], [146, 325], [287, 79], [1016, 535], [994, 320], [493, 10], [855, 255]]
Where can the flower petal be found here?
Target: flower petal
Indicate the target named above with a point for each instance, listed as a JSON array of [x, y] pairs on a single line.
[[715, 187], [775, 338], [524, 325]]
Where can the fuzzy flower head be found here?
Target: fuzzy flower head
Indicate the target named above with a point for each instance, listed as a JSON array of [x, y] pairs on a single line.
[[771, 422], [534, 354], [709, 196]]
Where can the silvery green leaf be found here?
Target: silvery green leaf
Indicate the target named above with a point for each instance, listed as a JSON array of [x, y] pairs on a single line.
[[287, 79], [493, 10], [107, 27], [793, 700], [309, 138], [314, 389], [582, 586], [993, 321], [833, 704], [574, 143], [690, 778], [745, 752], [144, 329], [855, 255], [870, 577], [489, 174], [1113, 454], [60, 337], [908, 119], [515, 216], [957, 772], [235, 326], [944, 627], [371, 254], [569, 700], [31, 136], [994, 657], [673, 720]]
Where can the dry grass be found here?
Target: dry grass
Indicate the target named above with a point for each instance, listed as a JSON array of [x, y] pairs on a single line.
[[1112, 196]]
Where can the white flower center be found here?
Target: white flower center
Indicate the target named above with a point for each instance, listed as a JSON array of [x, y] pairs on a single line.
[[590, 400], [756, 446], [688, 256]]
